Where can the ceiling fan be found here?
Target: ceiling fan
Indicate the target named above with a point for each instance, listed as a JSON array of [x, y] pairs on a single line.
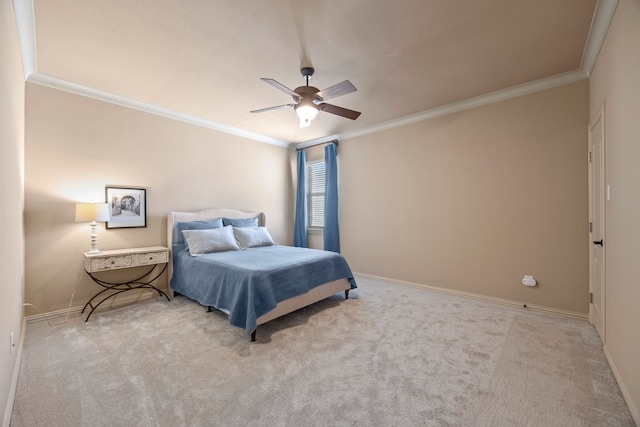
[[309, 100]]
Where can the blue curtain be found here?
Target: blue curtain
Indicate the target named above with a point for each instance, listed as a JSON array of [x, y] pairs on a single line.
[[331, 229], [300, 228]]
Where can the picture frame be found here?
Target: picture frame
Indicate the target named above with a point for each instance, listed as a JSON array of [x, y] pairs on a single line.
[[127, 207]]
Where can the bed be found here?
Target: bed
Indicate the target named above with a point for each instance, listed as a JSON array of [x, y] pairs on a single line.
[[255, 281]]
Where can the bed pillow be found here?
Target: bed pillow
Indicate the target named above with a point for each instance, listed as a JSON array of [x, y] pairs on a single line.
[[241, 222], [194, 225], [209, 241], [251, 237]]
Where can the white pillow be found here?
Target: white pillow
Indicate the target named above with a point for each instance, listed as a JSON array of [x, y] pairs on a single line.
[[209, 241], [251, 237]]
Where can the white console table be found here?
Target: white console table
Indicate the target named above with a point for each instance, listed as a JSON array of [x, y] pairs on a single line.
[[117, 259]]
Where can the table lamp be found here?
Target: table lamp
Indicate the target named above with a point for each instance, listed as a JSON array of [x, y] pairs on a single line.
[[93, 213]]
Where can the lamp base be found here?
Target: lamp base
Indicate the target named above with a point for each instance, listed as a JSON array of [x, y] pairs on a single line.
[[94, 238]]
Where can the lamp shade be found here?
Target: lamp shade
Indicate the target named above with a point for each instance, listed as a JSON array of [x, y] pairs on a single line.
[[87, 212]]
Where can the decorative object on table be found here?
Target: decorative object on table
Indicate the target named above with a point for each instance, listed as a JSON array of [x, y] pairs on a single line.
[[128, 207], [92, 213]]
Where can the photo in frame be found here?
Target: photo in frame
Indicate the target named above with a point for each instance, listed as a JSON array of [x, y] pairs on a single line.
[[127, 207]]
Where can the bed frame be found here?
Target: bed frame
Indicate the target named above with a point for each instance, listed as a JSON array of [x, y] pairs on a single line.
[[284, 307]]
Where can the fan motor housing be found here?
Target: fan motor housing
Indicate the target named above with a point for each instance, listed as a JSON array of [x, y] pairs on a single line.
[[308, 92]]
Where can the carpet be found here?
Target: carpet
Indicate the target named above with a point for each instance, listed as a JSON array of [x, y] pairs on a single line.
[[391, 355]]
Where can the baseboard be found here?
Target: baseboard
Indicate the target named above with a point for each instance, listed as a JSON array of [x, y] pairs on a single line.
[[14, 379], [501, 301], [635, 411], [117, 301]]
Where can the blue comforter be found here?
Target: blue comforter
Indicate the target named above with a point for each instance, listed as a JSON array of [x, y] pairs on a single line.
[[249, 283]]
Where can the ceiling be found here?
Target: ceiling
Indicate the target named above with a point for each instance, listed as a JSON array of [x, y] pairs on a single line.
[[202, 60]]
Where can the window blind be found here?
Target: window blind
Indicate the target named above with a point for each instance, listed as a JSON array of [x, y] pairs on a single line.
[[315, 195]]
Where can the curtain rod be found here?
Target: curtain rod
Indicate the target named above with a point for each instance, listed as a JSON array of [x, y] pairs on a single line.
[[335, 141]]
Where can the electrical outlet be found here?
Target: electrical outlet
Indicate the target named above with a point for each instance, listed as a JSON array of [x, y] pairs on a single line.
[[11, 343]]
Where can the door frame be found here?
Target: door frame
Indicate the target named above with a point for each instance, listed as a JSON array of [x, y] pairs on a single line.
[[599, 116]]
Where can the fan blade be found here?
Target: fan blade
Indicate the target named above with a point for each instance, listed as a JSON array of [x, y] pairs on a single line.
[[336, 90], [344, 112], [262, 110], [281, 87]]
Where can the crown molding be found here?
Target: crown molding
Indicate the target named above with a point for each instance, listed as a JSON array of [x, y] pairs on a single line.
[[25, 24], [605, 9], [455, 107], [78, 89], [24, 11]]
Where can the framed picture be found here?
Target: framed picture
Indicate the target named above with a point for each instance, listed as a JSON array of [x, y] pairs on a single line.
[[127, 206]]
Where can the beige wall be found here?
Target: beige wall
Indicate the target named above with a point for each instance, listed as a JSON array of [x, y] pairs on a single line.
[[475, 200], [77, 145], [615, 81], [11, 191]]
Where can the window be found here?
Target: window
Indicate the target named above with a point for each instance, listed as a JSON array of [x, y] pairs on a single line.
[[315, 195]]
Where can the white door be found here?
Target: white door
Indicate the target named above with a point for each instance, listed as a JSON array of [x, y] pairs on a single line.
[[597, 240]]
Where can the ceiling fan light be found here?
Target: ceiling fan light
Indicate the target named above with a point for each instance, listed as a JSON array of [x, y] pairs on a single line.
[[306, 112]]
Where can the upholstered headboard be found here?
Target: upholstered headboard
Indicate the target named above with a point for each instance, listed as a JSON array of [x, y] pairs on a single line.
[[207, 214]]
